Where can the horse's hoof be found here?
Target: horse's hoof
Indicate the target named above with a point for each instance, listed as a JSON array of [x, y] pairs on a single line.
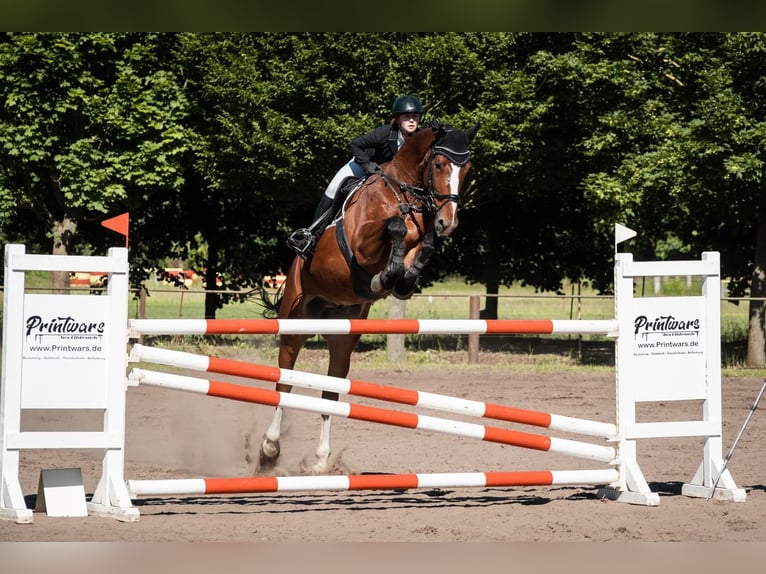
[[403, 297], [318, 468], [266, 461], [315, 470], [269, 451], [321, 466], [377, 288]]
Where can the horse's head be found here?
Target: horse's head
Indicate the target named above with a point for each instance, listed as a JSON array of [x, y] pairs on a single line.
[[450, 163]]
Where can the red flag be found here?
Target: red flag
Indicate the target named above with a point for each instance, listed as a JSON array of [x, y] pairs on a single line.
[[120, 224]]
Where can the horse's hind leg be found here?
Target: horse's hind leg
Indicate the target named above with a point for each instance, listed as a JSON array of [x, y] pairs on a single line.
[[341, 347], [289, 347], [383, 282], [270, 445]]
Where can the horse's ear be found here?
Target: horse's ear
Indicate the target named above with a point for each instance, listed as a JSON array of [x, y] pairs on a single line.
[[471, 132]]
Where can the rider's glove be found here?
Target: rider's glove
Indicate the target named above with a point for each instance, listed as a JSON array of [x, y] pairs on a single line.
[[371, 167]]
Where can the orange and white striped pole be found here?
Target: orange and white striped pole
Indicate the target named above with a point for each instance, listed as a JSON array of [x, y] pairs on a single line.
[[138, 327], [193, 486], [376, 415], [184, 360]]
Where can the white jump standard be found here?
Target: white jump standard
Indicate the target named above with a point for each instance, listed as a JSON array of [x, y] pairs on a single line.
[[64, 352]]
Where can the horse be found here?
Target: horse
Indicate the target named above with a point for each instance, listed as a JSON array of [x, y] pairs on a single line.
[[377, 246]]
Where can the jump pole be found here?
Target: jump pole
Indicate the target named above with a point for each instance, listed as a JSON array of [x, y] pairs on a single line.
[[265, 484], [376, 415], [181, 359], [138, 327]]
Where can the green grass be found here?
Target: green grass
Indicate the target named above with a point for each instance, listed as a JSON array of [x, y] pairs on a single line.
[[448, 300]]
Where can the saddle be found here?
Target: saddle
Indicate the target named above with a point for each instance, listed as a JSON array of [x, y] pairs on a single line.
[[345, 191], [360, 278]]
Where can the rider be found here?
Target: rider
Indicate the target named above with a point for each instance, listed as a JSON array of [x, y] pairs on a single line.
[[369, 151]]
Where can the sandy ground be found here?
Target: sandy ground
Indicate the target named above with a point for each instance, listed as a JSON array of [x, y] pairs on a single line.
[[174, 434]]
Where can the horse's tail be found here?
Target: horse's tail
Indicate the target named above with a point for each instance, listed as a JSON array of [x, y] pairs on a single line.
[[270, 301]]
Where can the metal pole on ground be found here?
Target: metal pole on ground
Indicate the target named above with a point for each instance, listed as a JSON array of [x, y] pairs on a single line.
[[736, 440]]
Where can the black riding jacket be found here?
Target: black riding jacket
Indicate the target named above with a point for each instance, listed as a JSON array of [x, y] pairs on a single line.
[[379, 145]]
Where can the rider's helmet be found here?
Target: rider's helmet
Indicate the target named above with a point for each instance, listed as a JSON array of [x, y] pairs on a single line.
[[406, 105]]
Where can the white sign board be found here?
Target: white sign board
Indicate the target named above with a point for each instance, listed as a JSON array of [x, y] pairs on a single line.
[[668, 348], [60, 492], [64, 357]]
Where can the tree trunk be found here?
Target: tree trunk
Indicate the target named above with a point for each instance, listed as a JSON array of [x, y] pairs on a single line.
[[756, 338], [211, 272], [63, 232]]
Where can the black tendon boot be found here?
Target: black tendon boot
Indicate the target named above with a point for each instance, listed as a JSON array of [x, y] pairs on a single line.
[[302, 240]]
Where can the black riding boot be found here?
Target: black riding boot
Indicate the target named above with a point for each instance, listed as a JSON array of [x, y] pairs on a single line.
[[302, 240]]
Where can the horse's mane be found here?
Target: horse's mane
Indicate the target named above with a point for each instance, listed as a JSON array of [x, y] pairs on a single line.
[[414, 149]]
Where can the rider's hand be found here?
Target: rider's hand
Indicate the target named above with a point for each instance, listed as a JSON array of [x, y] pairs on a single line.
[[371, 167]]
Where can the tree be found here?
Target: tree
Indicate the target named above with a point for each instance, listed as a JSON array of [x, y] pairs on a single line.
[[220, 144], [524, 220], [274, 115], [679, 152], [724, 195], [267, 107], [89, 126]]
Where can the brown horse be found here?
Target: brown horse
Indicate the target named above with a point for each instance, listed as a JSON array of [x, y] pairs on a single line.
[[377, 247]]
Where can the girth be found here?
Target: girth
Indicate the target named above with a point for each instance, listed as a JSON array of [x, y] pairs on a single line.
[[360, 278]]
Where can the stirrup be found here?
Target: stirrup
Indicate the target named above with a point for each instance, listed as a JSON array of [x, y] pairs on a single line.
[[301, 241]]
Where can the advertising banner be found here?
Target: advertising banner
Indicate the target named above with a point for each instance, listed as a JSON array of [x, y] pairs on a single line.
[[64, 361], [668, 348]]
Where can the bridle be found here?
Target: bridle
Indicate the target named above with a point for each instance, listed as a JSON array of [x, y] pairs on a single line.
[[424, 199]]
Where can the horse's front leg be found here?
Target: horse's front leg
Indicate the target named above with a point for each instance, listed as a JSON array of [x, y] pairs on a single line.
[[382, 283], [270, 444], [405, 287]]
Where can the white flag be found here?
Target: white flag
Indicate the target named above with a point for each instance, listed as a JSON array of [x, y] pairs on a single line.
[[622, 233]]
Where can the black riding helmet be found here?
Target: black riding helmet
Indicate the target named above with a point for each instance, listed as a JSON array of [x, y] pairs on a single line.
[[407, 105]]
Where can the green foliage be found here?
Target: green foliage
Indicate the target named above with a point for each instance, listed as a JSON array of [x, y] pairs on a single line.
[[90, 124], [218, 144]]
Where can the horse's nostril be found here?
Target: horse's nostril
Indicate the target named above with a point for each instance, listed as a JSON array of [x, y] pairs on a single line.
[[445, 227]]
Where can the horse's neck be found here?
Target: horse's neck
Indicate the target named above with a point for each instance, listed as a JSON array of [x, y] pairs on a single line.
[[407, 169], [407, 165], [409, 174]]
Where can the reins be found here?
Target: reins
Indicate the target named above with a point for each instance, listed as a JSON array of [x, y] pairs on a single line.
[[400, 191], [424, 198]]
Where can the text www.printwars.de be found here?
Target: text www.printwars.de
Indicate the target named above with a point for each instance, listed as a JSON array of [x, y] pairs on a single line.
[[66, 348], [668, 345], [666, 326]]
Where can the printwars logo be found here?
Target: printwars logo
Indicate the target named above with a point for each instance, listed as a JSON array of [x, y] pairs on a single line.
[[63, 326], [665, 325]]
